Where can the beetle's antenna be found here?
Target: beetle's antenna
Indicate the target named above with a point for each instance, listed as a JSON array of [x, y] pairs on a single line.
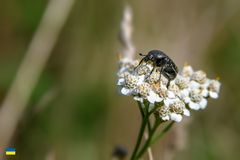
[[142, 54]]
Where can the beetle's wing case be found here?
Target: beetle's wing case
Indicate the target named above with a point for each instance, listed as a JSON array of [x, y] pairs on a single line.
[[157, 54], [175, 67]]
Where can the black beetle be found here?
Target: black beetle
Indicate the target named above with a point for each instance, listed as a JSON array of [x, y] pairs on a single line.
[[161, 60]]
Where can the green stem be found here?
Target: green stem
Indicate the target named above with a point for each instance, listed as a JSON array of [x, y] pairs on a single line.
[[141, 132], [162, 133], [147, 144], [141, 109], [152, 140], [145, 113], [149, 125]]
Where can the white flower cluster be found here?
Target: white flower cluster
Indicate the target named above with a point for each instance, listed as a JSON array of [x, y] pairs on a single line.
[[188, 91]]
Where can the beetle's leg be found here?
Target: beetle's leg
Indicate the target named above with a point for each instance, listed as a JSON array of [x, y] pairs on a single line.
[[160, 73], [168, 83], [150, 73], [139, 64], [165, 75]]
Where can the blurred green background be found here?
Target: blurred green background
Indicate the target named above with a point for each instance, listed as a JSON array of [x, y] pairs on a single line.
[[86, 117]]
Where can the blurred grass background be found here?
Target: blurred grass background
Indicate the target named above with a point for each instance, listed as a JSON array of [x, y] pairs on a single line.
[[86, 117]]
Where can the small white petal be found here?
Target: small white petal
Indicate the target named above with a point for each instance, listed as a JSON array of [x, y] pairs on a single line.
[[176, 117], [187, 71], [171, 94], [213, 95], [184, 93], [140, 99], [166, 118], [205, 93], [120, 81], [167, 102], [140, 79], [158, 99], [187, 100], [125, 91], [215, 85], [194, 106], [153, 97], [203, 103], [194, 85], [186, 112]]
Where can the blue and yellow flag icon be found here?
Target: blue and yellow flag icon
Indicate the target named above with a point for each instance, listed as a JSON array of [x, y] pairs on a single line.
[[11, 151]]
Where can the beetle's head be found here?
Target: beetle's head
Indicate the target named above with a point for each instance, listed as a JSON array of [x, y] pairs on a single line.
[[146, 57]]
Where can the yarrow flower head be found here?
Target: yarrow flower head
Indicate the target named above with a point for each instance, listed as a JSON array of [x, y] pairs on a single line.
[[190, 89], [159, 87]]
